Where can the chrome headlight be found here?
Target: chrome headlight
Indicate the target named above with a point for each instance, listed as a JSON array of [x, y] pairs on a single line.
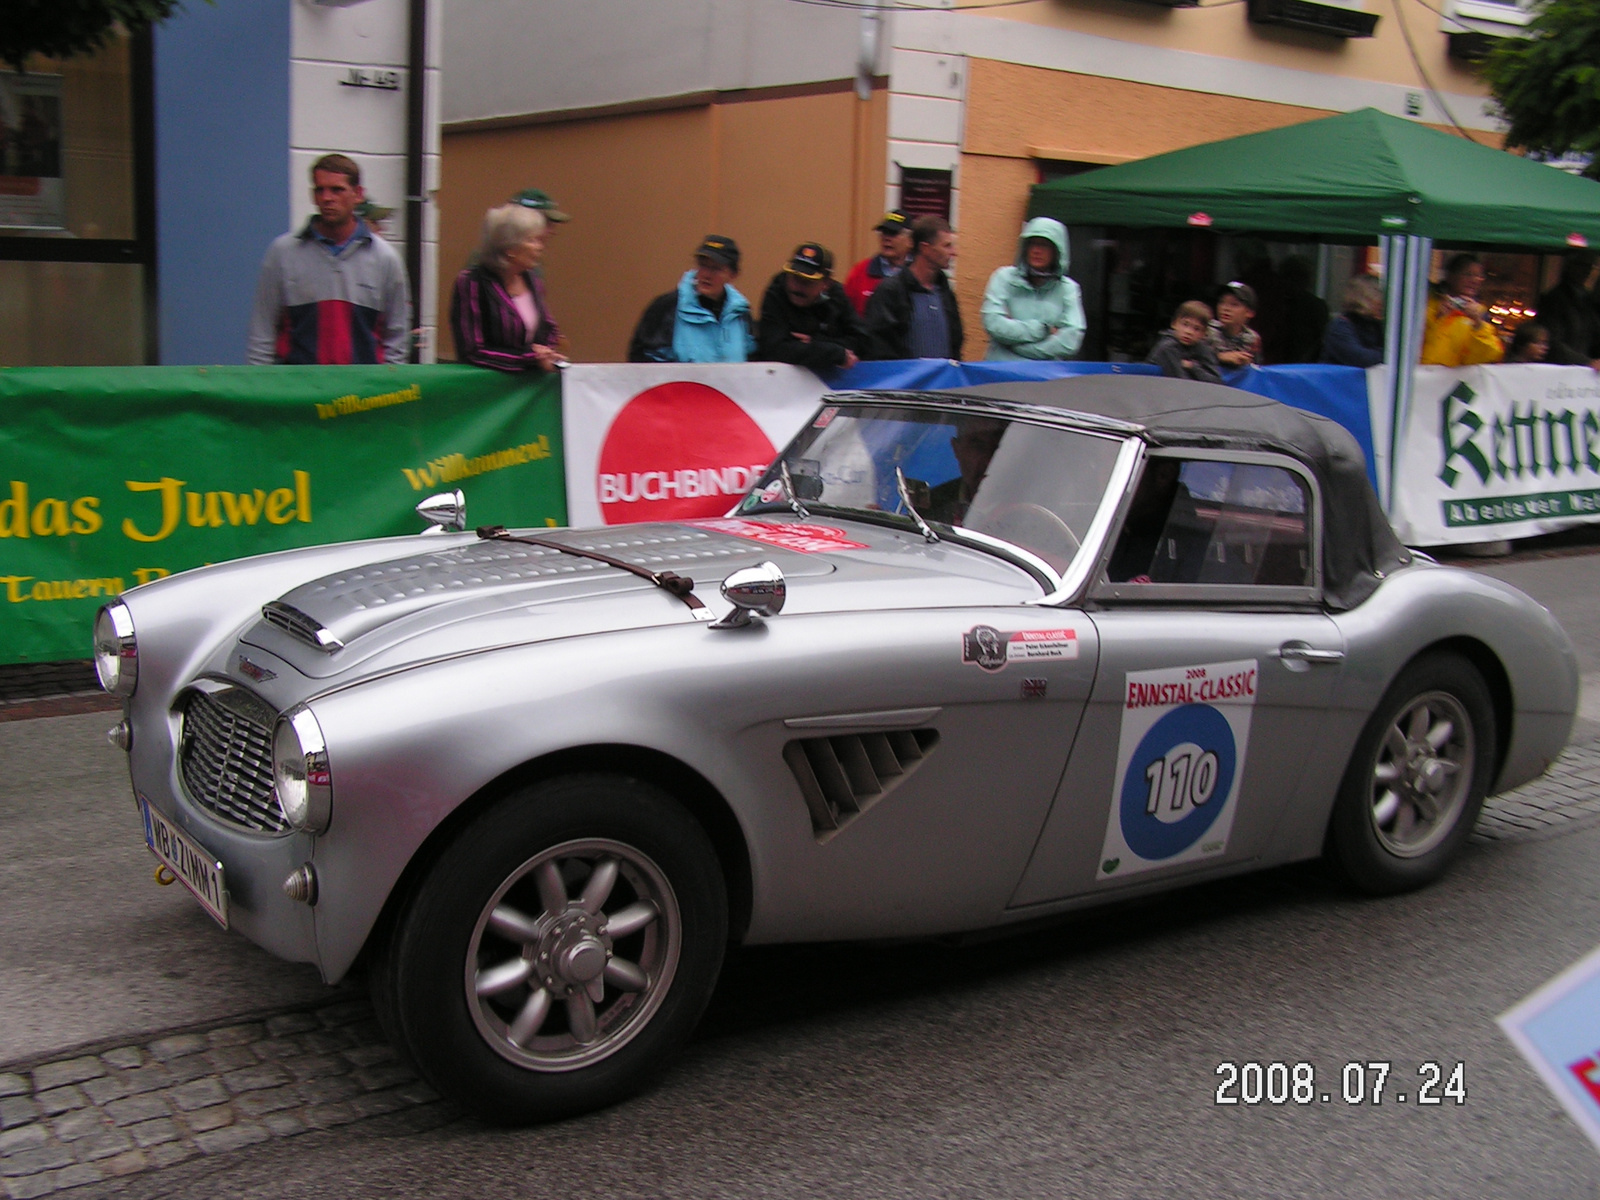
[[116, 653], [300, 771]]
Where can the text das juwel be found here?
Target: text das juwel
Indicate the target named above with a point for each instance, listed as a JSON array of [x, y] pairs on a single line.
[[169, 504]]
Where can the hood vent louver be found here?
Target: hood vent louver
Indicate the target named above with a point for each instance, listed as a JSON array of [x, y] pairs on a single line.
[[843, 776], [297, 625]]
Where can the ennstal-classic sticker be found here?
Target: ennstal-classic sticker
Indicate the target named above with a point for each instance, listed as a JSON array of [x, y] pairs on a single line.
[[1185, 733], [992, 649]]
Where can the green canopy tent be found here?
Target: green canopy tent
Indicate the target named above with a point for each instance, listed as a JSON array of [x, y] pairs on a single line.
[[1355, 176], [1362, 175]]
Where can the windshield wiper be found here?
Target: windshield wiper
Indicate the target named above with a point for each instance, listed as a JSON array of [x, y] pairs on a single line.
[[926, 530], [789, 492]]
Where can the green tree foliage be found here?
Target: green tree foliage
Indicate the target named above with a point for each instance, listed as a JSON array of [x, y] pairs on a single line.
[[63, 28], [1548, 84]]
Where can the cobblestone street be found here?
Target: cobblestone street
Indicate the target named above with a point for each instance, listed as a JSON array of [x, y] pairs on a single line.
[[135, 1108], [139, 1108]]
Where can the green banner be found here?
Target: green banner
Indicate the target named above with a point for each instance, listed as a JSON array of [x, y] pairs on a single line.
[[114, 476]]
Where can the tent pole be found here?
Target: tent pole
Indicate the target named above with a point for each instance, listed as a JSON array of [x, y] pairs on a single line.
[[1406, 266]]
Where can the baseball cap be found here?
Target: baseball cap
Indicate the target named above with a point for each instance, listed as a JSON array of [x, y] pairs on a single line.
[[810, 261], [1241, 292], [542, 201], [893, 221], [719, 249]]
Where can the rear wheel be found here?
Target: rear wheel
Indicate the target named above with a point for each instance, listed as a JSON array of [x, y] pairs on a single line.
[[560, 950], [1416, 782]]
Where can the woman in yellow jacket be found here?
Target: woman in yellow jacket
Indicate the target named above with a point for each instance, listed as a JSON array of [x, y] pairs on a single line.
[[1458, 333]]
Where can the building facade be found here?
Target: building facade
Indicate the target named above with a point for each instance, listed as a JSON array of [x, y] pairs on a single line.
[[775, 121], [178, 156]]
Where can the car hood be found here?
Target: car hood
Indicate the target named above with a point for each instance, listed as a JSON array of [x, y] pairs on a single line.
[[472, 593]]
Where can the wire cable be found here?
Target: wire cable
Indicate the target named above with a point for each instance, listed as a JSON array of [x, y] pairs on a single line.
[[1422, 72]]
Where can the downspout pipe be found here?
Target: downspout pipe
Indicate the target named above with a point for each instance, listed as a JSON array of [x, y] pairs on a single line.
[[416, 121]]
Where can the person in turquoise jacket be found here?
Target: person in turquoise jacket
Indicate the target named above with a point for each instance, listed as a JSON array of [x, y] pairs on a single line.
[[1033, 310], [706, 320]]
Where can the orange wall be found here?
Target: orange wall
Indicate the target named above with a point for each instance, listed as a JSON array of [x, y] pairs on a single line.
[[644, 189]]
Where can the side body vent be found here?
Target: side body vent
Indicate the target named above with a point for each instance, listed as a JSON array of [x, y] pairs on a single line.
[[843, 776]]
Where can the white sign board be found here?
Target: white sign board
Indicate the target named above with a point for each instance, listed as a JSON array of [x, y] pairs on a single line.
[[1504, 451], [1558, 1031], [673, 442]]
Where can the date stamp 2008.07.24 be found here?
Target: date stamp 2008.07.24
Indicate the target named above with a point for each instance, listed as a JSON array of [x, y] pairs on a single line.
[[1370, 1083]]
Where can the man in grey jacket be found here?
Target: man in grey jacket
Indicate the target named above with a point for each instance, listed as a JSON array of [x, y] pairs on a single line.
[[335, 292]]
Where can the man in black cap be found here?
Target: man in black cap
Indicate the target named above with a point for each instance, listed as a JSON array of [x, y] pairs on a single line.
[[806, 318], [894, 246], [705, 320]]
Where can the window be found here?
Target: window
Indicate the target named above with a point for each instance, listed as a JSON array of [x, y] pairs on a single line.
[[77, 235], [1208, 522]]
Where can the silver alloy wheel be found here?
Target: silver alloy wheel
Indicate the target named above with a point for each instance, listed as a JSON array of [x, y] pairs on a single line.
[[1422, 775], [573, 954]]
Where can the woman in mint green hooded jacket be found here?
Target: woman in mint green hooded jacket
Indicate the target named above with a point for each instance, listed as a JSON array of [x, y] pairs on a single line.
[[1032, 310]]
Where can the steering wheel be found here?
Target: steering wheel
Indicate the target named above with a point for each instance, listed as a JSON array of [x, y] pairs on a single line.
[[1033, 527]]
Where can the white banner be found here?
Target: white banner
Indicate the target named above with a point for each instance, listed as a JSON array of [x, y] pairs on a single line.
[[1493, 452], [669, 442]]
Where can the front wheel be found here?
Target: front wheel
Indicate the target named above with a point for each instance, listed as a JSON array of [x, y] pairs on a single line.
[[1417, 780], [560, 950]]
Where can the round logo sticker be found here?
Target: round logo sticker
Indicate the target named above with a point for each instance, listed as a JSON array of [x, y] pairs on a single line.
[[677, 451], [1177, 782]]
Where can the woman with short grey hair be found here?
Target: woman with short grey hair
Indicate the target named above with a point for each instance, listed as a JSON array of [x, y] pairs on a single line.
[[1354, 338], [497, 311]]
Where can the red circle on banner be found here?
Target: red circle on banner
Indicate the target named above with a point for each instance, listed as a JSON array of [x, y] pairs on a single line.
[[677, 451]]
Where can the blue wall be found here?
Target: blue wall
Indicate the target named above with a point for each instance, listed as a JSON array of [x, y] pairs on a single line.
[[222, 169]]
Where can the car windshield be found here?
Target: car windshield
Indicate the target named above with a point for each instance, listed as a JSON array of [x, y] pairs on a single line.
[[1033, 486]]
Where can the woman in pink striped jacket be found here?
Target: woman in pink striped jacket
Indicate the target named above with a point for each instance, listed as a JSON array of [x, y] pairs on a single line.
[[497, 311]]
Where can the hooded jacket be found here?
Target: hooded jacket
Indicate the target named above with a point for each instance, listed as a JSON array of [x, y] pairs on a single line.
[[1019, 316], [676, 327]]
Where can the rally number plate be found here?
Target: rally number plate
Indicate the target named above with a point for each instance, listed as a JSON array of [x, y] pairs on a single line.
[[196, 868]]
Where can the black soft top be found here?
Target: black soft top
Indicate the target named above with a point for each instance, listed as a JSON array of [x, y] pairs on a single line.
[[1359, 546]]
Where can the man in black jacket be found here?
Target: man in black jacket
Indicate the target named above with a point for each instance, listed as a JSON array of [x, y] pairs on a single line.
[[1567, 311], [806, 318], [914, 314]]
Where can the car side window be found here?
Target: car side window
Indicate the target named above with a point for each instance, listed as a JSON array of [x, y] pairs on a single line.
[[1196, 521]]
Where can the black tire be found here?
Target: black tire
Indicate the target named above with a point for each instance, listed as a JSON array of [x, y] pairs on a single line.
[[487, 897], [1382, 837]]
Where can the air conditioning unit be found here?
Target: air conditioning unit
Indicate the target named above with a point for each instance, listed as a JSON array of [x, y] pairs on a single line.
[[1340, 20]]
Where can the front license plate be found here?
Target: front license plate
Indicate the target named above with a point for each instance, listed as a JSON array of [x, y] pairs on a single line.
[[196, 869]]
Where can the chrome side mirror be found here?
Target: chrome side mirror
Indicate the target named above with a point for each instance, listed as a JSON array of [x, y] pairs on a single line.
[[753, 591], [445, 512]]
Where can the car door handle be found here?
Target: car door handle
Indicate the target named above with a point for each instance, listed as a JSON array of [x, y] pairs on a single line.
[[1298, 652]]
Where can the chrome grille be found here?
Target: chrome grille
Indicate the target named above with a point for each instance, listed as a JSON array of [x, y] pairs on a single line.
[[226, 758]]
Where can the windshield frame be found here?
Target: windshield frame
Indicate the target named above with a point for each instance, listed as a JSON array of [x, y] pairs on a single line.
[[1060, 588]]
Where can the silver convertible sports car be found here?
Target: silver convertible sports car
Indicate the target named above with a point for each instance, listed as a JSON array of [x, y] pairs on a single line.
[[959, 660]]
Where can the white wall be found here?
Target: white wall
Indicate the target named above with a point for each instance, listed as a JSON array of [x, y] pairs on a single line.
[[511, 57], [368, 124]]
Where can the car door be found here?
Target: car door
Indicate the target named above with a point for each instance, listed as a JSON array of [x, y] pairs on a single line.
[[1217, 665]]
